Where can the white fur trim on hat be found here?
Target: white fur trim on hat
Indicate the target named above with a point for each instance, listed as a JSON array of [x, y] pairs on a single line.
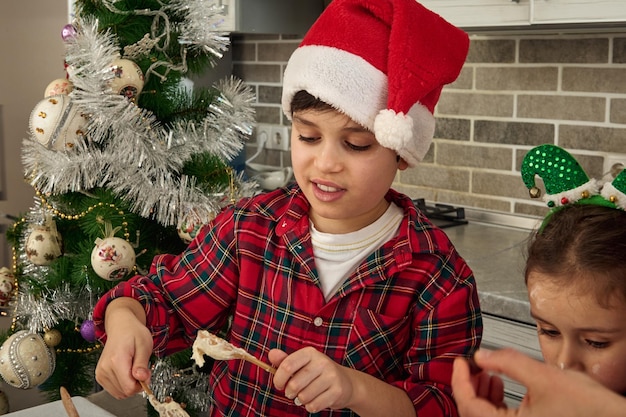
[[343, 80]]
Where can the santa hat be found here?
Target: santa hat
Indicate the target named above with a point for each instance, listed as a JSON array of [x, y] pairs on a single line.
[[383, 63]]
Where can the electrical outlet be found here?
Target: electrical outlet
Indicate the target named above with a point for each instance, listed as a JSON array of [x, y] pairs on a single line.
[[279, 138], [613, 164], [263, 133]]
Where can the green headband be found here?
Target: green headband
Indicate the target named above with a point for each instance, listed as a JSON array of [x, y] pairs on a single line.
[[567, 183]]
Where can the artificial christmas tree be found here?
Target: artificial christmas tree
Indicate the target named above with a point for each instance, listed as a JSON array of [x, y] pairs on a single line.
[[127, 161]]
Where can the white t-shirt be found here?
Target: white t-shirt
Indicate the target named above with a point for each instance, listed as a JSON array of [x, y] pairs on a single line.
[[337, 255]]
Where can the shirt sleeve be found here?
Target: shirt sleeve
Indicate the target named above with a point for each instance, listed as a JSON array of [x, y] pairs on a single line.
[[181, 293], [447, 324]]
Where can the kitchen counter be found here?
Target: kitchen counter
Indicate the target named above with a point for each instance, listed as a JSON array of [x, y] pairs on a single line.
[[494, 247]]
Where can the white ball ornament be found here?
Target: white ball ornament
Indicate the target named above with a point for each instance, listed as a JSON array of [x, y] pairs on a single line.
[[57, 124], [25, 360], [127, 79], [7, 285], [191, 223], [43, 244], [58, 86], [112, 258]]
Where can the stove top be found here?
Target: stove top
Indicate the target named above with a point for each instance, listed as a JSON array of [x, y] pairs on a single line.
[[442, 215]]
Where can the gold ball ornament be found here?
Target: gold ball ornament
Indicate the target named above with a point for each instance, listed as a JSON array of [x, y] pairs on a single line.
[[127, 79], [52, 338], [7, 285], [58, 86], [57, 124], [43, 245], [25, 360], [112, 258]]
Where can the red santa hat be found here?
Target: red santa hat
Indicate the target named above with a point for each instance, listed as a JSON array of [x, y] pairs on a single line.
[[383, 63]]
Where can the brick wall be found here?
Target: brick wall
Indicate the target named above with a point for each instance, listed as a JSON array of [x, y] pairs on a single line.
[[515, 92]]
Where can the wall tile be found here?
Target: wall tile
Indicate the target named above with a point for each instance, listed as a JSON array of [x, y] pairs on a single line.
[[561, 107], [463, 155], [491, 51], [258, 72], [513, 133], [243, 51], [427, 175], [538, 211], [605, 80], [526, 78], [464, 80], [502, 185], [268, 114], [456, 129], [269, 94], [472, 200], [618, 111], [619, 50], [279, 52], [594, 138], [558, 50], [475, 104]]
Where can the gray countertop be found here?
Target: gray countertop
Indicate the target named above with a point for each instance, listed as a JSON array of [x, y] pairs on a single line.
[[494, 246]]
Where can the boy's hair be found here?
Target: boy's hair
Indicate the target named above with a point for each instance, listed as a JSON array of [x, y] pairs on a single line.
[[583, 245], [302, 100]]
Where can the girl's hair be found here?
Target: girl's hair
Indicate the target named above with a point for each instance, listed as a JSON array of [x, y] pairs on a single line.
[[583, 245], [302, 100]]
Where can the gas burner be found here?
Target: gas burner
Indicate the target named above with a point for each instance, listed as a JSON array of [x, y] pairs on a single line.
[[442, 215]]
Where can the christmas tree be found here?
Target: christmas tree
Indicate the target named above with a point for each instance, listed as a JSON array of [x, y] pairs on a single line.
[[127, 162]]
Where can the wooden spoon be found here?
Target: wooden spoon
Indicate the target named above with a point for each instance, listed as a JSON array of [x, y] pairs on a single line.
[[68, 404]]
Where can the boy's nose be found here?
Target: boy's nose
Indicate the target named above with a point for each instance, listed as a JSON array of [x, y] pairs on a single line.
[[328, 159]]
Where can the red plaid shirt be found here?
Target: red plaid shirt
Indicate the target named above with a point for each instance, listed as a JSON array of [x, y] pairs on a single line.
[[402, 316]]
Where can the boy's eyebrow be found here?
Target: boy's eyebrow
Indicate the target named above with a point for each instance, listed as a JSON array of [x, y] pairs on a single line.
[[580, 329], [357, 128]]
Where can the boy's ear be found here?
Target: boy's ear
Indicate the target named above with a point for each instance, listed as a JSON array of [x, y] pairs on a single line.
[[402, 164]]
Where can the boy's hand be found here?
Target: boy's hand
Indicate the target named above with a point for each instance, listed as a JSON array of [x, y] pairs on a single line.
[[126, 354], [312, 379]]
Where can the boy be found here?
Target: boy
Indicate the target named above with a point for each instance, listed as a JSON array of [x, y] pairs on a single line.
[[360, 303]]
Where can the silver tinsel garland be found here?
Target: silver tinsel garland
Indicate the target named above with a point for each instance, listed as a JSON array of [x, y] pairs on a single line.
[[128, 150]]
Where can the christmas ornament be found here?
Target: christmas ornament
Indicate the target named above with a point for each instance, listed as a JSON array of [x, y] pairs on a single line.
[[191, 222], [7, 285], [112, 258], [57, 124], [25, 360], [58, 86], [4, 403], [52, 338], [88, 331], [68, 32], [43, 244], [128, 79]]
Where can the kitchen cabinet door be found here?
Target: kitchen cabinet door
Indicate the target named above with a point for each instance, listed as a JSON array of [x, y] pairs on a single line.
[[482, 13], [578, 11]]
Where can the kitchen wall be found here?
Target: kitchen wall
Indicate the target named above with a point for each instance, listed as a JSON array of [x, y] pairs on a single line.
[[515, 92]]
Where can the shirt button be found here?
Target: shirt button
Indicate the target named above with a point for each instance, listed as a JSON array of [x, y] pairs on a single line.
[[318, 321]]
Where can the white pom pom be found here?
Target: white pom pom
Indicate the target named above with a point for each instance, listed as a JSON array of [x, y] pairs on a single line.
[[393, 130]]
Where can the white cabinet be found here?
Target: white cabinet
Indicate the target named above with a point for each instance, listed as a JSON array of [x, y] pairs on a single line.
[[482, 13], [528, 14], [578, 11], [270, 16]]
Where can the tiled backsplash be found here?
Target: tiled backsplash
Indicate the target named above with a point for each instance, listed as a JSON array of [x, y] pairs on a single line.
[[515, 92]]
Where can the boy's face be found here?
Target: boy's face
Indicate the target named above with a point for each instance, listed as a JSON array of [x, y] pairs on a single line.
[[342, 170], [575, 332]]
